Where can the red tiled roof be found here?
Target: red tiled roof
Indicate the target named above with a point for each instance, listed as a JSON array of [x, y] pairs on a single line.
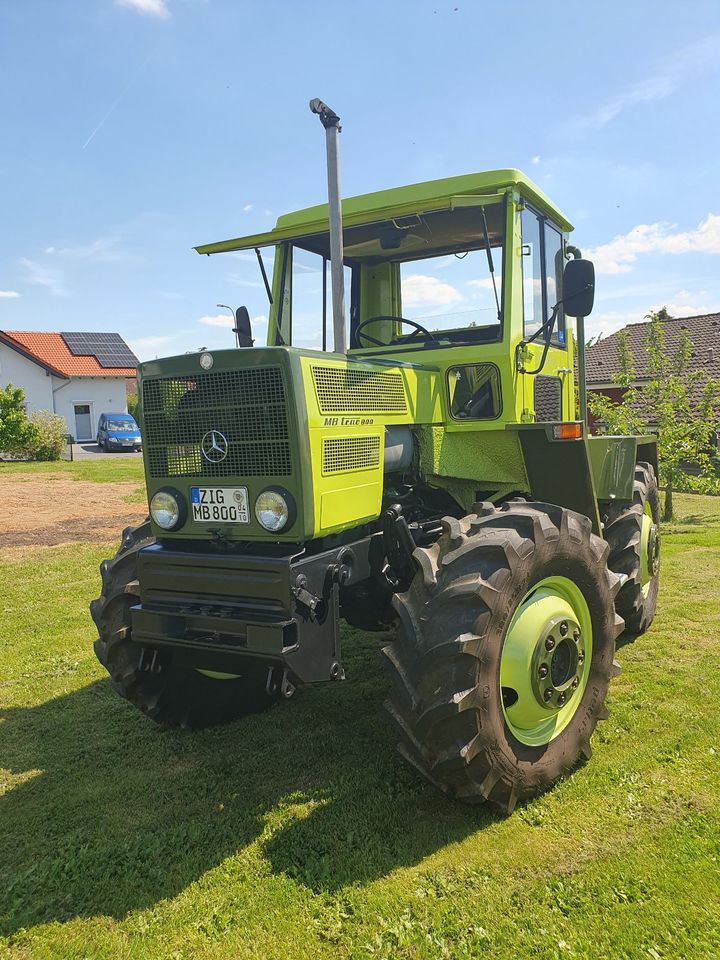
[[52, 352]]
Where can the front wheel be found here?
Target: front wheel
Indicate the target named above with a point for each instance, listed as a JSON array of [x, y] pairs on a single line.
[[504, 652], [172, 696]]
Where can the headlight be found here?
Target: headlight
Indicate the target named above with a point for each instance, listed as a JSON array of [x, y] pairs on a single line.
[[167, 509], [275, 509]]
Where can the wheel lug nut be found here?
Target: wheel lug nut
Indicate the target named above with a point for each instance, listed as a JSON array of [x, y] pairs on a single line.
[[576, 636], [563, 628], [550, 643], [543, 671], [575, 683], [581, 657], [547, 695], [561, 698]]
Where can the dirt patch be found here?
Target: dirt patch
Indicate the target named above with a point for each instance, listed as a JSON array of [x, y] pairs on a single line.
[[45, 510]]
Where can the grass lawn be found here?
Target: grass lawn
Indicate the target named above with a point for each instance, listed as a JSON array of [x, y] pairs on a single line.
[[300, 833], [113, 469]]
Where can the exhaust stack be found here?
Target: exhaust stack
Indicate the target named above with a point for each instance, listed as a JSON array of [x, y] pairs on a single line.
[[331, 121]]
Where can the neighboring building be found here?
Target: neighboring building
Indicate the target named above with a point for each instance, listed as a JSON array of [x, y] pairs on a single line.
[[76, 375], [602, 358]]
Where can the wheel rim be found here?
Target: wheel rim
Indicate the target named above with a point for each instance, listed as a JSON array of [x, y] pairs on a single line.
[[649, 549], [545, 660]]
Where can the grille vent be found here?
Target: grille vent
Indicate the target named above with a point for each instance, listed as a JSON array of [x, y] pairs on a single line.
[[548, 398], [342, 454], [341, 390], [249, 407]]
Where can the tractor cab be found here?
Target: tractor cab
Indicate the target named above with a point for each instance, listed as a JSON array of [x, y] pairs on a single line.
[[445, 273]]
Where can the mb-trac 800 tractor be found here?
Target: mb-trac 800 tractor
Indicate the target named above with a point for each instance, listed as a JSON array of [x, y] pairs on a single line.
[[431, 474]]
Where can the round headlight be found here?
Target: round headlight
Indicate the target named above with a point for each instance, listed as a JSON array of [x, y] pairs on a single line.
[[165, 510], [272, 510]]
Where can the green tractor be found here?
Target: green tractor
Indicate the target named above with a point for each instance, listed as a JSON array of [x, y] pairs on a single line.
[[430, 474]]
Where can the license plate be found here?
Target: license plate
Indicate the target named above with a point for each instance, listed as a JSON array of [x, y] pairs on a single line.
[[220, 504]]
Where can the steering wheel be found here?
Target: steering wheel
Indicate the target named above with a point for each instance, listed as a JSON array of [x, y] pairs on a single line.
[[419, 329]]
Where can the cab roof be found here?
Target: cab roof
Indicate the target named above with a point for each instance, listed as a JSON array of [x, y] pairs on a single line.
[[396, 202]]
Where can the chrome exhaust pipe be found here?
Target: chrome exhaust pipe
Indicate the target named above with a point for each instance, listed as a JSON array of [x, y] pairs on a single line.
[[331, 122]]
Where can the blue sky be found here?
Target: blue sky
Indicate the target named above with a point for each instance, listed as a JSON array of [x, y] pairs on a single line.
[[135, 129]]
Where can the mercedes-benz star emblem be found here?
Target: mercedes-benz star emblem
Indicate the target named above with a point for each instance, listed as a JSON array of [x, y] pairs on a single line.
[[214, 446]]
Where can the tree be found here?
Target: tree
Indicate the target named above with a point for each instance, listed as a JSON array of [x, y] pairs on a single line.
[[15, 429], [681, 405]]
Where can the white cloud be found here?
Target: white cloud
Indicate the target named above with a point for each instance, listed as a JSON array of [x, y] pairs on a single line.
[[645, 91], [422, 291], [51, 278], [683, 309], [675, 69], [225, 320], [242, 282], [219, 320], [102, 250], [9, 294], [247, 208], [153, 8], [610, 321], [485, 284], [535, 160], [146, 348], [617, 255]]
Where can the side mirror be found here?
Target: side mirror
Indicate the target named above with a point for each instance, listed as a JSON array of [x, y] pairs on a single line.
[[578, 288], [243, 328]]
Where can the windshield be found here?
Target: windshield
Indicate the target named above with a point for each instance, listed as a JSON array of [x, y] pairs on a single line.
[[441, 271], [452, 292], [122, 426]]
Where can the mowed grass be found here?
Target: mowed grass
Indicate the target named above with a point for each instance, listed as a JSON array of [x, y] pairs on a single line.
[[111, 470], [301, 833]]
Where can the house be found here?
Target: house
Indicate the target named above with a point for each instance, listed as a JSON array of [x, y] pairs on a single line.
[[602, 358], [76, 375]]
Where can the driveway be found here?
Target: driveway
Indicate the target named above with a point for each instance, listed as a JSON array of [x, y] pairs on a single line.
[[90, 451]]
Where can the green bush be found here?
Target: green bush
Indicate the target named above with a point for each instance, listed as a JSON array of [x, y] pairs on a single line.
[[16, 431], [48, 439]]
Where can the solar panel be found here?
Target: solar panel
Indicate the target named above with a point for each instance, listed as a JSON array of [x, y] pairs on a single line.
[[109, 349]]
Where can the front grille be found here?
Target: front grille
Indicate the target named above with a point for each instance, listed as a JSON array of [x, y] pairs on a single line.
[[249, 408], [346, 390], [342, 454]]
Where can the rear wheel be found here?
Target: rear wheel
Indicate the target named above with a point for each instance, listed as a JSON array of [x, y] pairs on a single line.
[[633, 532], [504, 652], [172, 696]]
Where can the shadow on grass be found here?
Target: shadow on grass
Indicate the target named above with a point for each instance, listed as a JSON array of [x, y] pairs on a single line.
[[694, 520], [114, 814]]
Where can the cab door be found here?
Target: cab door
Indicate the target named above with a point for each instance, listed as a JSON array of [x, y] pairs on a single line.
[[548, 395]]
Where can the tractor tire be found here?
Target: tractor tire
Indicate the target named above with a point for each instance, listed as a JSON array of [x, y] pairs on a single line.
[[173, 697], [488, 600], [633, 534]]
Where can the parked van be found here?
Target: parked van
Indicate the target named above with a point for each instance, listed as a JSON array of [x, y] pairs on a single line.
[[118, 431]]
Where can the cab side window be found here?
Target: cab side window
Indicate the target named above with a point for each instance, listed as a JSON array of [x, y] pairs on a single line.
[[542, 266]]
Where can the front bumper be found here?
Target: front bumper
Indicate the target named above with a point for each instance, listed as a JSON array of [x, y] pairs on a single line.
[[215, 609]]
